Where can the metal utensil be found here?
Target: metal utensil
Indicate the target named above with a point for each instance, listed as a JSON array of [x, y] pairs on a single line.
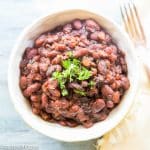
[[134, 28]]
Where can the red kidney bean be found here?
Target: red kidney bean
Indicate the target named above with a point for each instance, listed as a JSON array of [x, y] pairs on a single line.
[[110, 104], [94, 36], [86, 61], [56, 60], [72, 123], [50, 70], [33, 67], [107, 90], [55, 93], [125, 82], [82, 117], [32, 88], [31, 52], [91, 25], [35, 98], [101, 35], [84, 83], [52, 38], [43, 67], [93, 91], [23, 82], [102, 67], [53, 54], [44, 115], [39, 41], [102, 116], [60, 47], [81, 52], [67, 28], [77, 24], [74, 108], [88, 124], [98, 105], [44, 100], [116, 97], [36, 111], [94, 71], [36, 105], [74, 85], [63, 123]]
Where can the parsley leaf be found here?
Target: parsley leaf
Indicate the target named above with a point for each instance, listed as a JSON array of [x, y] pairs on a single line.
[[72, 71], [80, 92], [84, 74], [91, 83]]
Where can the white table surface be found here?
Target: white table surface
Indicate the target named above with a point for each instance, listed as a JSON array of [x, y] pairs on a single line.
[[14, 16]]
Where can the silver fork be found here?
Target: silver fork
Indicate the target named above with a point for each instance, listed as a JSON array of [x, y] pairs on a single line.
[[134, 28]]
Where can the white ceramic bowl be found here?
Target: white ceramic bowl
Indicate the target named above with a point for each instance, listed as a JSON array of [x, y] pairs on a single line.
[[51, 129]]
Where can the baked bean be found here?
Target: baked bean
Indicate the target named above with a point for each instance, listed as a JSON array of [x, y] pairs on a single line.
[[35, 98], [53, 68], [52, 54], [102, 67], [80, 52], [91, 25], [98, 105], [94, 36], [23, 82], [36, 111], [60, 47], [110, 104], [84, 83], [75, 86], [63, 123], [86, 61], [116, 97], [101, 35], [32, 88], [77, 24], [44, 115], [67, 28], [56, 60], [31, 52], [106, 90], [125, 82], [52, 38], [44, 100], [39, 41], [72, 123], [88, 124], [94, 71]]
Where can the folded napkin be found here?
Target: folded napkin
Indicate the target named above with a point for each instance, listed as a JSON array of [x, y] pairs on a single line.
[[133, 131]]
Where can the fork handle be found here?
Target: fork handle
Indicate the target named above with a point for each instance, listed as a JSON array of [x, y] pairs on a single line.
[[144, 56]]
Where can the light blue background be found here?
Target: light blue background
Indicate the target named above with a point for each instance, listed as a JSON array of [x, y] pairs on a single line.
[[14, 16]]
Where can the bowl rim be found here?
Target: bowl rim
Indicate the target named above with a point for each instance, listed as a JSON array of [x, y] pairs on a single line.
[[12, 57]]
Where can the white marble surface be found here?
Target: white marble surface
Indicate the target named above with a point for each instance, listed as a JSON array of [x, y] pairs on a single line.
[[14, 16]]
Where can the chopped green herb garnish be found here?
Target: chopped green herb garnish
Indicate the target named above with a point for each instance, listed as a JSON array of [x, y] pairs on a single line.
[[84, 74], [72, 71], [91, 83], [80, 92], [70, 54]]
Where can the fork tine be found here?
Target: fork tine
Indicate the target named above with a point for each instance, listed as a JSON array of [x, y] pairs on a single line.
[[130, 22], [134, 20], [125, 20], [139, 23]]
